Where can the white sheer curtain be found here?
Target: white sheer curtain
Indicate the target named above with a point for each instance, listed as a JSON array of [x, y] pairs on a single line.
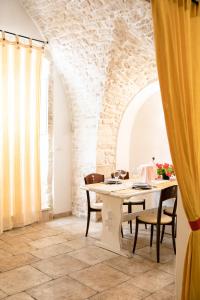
[[20, 90]]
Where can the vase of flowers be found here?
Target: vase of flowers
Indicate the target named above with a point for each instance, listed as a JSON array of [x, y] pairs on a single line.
[[165, 170]]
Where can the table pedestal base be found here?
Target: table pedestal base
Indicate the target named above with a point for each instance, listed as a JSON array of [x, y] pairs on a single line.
[[122, 252]]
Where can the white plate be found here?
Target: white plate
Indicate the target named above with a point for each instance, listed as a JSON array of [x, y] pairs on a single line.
[[112, 181], [140, 184]]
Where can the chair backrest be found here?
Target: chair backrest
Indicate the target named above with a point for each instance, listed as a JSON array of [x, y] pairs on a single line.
[[167, 194], [92, 178], [120, 177]]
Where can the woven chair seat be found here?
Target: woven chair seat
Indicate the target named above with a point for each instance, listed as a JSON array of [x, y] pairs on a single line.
[[128, 217], [151, 218]]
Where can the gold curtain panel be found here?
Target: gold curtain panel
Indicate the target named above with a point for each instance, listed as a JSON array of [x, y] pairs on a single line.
[[177, 38]]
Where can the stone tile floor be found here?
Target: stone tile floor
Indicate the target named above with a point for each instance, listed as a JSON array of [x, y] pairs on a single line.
[[54, 261]]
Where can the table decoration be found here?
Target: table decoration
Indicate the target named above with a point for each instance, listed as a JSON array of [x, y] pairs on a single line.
[[165, 170]]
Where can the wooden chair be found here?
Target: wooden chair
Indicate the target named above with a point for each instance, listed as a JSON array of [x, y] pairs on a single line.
[[94, 207], [129, 203], [169, 212], [158, 218]]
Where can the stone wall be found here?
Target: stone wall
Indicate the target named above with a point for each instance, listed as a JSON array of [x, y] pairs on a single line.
[[104, 51], [130, 68]]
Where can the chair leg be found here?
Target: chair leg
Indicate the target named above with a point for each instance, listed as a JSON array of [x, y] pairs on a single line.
[[88, 223], [144, 207], [158, 243], [173, 237], [151, 239], [136, 234], [162, 235], [122, 231], [175, 226], [130, 211]]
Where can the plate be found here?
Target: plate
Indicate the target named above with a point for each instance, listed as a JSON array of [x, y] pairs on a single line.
[[112, 181], [141, 186]]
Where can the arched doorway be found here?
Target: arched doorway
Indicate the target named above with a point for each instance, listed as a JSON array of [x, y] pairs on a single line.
[[142, 132]]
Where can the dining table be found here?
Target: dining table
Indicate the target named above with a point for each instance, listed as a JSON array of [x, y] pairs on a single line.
[[113, 196]]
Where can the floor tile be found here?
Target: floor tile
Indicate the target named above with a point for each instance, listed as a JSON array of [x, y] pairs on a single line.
[[62, 288], [63, 221], [114, 278], [166, 254], [130, 266], [171, 288], [127, 241], [16, 261], [16, 232], [70, 236], [42, 233], [2, 295], [124, 291], [152, 280], [50, 251], [92, 255], [164, 295], [60, 265], [47, 241], [2, 243], [19, 296], [4, 253], [20, 239], [81, 242], [77, 227], [18, 248], [100, 277], [169, 267], [20, 279]]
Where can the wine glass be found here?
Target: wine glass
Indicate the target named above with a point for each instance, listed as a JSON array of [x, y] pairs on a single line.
[[136, 174], [123, 174]]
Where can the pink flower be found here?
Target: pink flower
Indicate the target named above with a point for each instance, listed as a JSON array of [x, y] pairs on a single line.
[[159, 166], [166, 166]]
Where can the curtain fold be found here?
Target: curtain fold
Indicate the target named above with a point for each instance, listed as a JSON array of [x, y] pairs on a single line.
[[177, 40], [20, 84]]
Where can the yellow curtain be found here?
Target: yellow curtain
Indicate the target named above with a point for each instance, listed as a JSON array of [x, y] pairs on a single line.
[[20, 83], [177, 39]]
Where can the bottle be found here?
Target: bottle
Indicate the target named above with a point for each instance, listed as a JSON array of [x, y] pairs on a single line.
[[154, 175]]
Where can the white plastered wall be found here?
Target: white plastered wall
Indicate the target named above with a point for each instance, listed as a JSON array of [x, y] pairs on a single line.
[[62, 150], [126, 129], [148, 136]]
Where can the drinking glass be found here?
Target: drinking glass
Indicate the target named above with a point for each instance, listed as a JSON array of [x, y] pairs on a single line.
[[136, 174]]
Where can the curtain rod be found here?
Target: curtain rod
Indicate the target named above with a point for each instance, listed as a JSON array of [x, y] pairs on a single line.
[[25, 37], [195, 1]]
